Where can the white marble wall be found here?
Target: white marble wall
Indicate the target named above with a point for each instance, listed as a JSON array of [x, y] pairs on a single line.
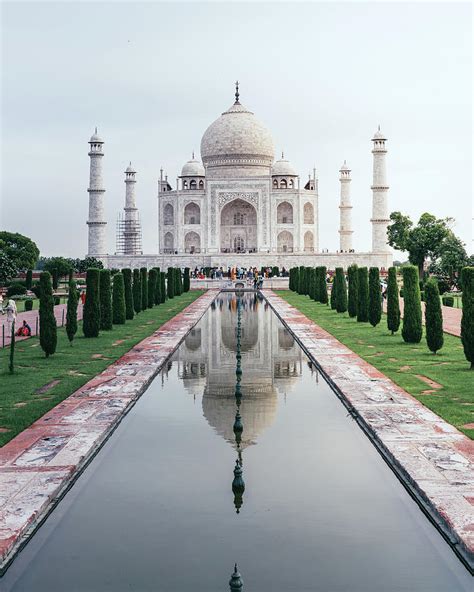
[[97, 240]]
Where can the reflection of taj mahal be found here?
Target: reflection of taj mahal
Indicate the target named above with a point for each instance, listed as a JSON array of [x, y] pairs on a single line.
[[237, 205]]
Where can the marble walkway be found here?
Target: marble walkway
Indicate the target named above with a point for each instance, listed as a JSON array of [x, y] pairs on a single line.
[[432, 458], [38, 466]]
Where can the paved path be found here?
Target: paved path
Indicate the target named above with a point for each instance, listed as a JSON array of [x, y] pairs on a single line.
[[451, 317], [431, 457], [38, 466], [32, 318]]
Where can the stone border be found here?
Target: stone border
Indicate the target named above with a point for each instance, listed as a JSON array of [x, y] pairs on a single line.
[[432, 459], [42, 463]]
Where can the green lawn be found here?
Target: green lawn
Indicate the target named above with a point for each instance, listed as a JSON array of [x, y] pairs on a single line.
[[21, 405], [20, 304], [452, 398]]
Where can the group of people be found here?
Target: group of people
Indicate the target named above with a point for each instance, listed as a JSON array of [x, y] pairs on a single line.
[[11, 311], [235, 273]]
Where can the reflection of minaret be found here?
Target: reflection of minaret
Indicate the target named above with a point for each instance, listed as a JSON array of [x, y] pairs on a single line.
[[236, 582]]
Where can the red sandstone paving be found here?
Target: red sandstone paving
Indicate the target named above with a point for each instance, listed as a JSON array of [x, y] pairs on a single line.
[[436, 458], [451, 317], [39, 463]]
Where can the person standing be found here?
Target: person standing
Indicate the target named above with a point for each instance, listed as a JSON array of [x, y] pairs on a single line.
[[11, 314]]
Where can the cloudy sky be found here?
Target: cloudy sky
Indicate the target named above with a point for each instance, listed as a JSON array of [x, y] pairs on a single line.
[[152, 76]]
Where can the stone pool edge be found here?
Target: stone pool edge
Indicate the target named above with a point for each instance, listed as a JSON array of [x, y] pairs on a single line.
[[431, 458], [41, 464]]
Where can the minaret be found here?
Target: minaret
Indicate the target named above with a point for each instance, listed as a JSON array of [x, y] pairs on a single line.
[[345, 209], [129, 226], [380, 218], [96, 222]]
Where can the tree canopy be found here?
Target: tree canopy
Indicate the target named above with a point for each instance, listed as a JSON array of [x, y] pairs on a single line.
[[21, 250]]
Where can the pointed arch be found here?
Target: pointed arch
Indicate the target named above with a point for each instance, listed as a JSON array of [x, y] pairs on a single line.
[[284, 213], [308, 213], [168, 215]]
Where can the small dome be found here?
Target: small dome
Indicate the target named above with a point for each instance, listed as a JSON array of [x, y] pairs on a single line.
[[95, 138], [130, 169], [379, 135], [283, 168], [344, 167], [193, 168]]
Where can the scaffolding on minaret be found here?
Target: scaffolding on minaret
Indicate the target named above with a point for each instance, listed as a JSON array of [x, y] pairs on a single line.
[[129, 235]]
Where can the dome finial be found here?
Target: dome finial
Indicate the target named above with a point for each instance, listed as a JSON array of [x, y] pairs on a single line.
[[237, 92], [193, 154], [282, 155], [95, 129]]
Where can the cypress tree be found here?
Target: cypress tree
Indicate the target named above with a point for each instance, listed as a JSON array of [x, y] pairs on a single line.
[[118, 300], [296, 279], [323, 288], [375, 297], [311, 283], [341, 300], [29, 279], [158, 286], [393, 304], [308, 280], [291, 278], [105, 293], [91, 313], [352, 297], [433, 316], [144, 285], [333, 299], [362, 295], [301, 279], [316, 284], [467, 319], [71, 314], [151, 287], [187, 280], [412, 329], [55, 279], [178, 281], [137, 291], [48, 329], [128, 291], [170, 284], [163, 286]]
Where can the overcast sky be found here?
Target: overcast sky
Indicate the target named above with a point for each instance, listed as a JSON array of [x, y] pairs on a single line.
[[153, 76]]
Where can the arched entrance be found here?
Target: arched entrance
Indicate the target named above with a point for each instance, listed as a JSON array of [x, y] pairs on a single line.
[[238, 227]]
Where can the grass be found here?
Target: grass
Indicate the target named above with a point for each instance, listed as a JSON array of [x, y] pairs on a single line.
[[452, 399], [21, 404], [20, 304]]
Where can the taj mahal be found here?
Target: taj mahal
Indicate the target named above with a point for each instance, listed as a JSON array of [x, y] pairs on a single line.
[[237, 205]]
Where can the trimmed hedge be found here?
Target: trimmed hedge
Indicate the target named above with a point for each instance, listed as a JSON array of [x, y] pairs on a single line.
[[71, 312], [128, 293], [144, 285], [28, 304], [467, 319], [375, 297], [105, 293], [448, 300], [352, 296], [47, 320], [118, 300], [158, 286], [151, 287], [170, 283], [341, 292], [91, 312], [323, 289], [137, 291], [186, 280], [412, 329], [433, 317], [362, 295], [29, 279], [393, 304]]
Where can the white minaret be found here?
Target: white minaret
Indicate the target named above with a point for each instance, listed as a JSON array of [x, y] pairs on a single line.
[[96, 222], [345, 210], [380, 218]]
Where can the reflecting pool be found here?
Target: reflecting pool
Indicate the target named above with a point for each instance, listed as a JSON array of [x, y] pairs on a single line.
[[238, 452]]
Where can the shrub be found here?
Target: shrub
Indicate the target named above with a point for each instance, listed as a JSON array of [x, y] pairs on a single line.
[[187, 280], [28, 304], [128, 293], [301, 279], [375, 297], [151, 287], [448, 300], [105, 294], [401, 293], [170, 284], [412, 329], [352, 297], [118, 300], [433, 317], [163, 286], [57, 300], [422, 295], [71, 313], [36, 289], [308, 271], [341, 292], [157, 295], [29, 279], [275, 271], [178, 289], [362, 295], [291, 279], [55, 273], [137, 291], [91, 312], [323, 289], [16, 289], [467, 319], [144, 284], [333, 301], [311, 283], [443, 286], [47, 320], [393, 304]]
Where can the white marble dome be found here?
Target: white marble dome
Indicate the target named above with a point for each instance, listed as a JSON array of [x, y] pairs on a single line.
[[237, 137], [379, 135], [95, 138], [193, 168], [283, 168]]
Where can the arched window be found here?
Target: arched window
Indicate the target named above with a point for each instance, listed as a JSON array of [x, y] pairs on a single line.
[[238, 219], [185, 184], [284, 213], [192, 242], [168, 215], [169, 242], [285, 242], [275, 184], [192, 214], [308, 213], [283, 184], [308, 241], [239, 244], [201, 184], [291, 184], [193, 184]]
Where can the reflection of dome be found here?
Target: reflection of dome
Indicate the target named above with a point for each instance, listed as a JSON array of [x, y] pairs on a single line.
[[249, 335], [193, 168], [236, 137]]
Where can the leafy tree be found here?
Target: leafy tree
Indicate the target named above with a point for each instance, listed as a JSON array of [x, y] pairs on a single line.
[[8, 269], [128, 292], [91, 312], [352, 298], [425, 240], [29, 279], [341, 291], [163, 286], [412, 329], [118, 300], [323, 289], [187, 280], [105, 293], [433, 316], [452, 259], [137, 291], [144, 284], [21, 250], [71, 314], [393, 303], [158, 286], [375, 297], [467, 320], [82, 265], [48, 329], [151, 287], [170, 283], [362, 295], [59, 266]]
